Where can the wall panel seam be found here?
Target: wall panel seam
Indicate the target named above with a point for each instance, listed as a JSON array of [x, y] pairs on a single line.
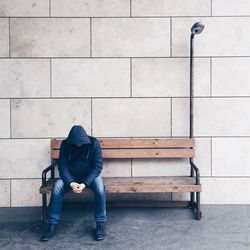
[[211, 76], [10, 118], [171, 39], [122, 57], [50, 66], [123, 97], [136, 17], [211, 149], [211, 8], [130, 8], [131, 77], [9, 39], [50, 8], [171, 117], [91, 116], [10, 194], [90, 37]]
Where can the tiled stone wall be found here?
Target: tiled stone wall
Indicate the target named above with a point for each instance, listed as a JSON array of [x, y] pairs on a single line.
[[120, 68]]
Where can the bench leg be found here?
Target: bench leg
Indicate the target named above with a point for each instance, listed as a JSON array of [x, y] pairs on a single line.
[[44, 208], [198, 206], [192, 200]]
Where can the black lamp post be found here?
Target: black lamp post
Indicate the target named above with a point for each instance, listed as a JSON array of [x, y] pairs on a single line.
[[197, 28]]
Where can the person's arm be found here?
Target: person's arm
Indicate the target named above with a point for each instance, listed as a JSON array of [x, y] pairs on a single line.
[[63, 166], [97, 164]]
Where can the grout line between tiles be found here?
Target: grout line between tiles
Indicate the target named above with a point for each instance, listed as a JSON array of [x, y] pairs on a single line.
[[131, 83], [171, 38], [10, 118], [49, 8], [9, 40], [211, 76], [90, 38], [211, 148], [91, 114], [50, 66]]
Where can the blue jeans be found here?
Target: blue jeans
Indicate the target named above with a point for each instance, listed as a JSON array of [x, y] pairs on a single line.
[[54, 210]]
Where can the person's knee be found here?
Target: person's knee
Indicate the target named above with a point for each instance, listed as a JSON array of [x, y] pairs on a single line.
[[58, 187], [99, 186]]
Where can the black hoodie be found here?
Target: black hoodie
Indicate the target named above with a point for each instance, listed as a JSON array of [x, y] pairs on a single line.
[[80, 164]]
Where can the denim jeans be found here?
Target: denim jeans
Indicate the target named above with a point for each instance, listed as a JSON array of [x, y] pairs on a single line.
[[54, 210]]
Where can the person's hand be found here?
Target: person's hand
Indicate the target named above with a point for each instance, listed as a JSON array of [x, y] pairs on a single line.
[[76, 187], [82, 186]]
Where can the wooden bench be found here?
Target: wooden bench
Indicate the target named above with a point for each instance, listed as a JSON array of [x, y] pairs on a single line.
[[144, 149]]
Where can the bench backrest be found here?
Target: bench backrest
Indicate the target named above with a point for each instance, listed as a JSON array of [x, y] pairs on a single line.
[[139, 148]]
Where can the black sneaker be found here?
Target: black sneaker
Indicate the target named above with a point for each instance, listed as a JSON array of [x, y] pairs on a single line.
[[100, 231], [51, 230]]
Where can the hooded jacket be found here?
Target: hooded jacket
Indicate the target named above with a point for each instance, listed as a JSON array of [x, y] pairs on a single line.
[[82, 163]]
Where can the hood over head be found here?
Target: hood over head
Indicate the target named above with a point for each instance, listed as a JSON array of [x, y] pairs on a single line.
[[78, 135]]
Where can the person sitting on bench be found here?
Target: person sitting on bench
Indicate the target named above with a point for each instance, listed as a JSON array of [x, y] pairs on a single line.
[[80, 164]]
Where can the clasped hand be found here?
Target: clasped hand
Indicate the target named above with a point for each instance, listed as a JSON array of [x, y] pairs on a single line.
[[76, 187]]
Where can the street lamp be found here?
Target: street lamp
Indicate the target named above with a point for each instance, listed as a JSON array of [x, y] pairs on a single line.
[[197, 28]]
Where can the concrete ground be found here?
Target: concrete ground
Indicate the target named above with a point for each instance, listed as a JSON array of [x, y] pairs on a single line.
[[222, 227]]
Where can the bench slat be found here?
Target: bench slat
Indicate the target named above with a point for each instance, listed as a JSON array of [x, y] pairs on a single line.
[[138, 143], [146, 143], [140, 153], [143, 185], [148, 153]]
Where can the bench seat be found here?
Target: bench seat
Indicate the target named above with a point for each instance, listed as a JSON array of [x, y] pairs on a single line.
[[142, 185]]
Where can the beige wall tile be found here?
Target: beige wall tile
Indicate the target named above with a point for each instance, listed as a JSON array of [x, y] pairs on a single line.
[[4, 39], [158, 77], [27, 78], [109, 8], [219, 38], [230, 76], [225, 191], [230, 156], [116, 168], [222, 117], [24, 158], [131, 117], [5, 193], [203, 155], [36, 118], [230, 7], [5, 118], [29, 196], [24, 8], [50, 37], [212, 117], [180, 117], [170, 8], [126, 37], [91, 77]]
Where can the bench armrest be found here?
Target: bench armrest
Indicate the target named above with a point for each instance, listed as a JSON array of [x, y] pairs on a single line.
[[46, 170], [197, 171]]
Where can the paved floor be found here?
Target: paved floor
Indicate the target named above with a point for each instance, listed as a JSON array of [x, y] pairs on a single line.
[[222, 227]]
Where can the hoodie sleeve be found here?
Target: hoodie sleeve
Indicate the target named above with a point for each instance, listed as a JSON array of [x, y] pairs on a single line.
[[97, 164], [63, 166]]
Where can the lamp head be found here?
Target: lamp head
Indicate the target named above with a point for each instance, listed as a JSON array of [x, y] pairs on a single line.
[[197, 28]]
